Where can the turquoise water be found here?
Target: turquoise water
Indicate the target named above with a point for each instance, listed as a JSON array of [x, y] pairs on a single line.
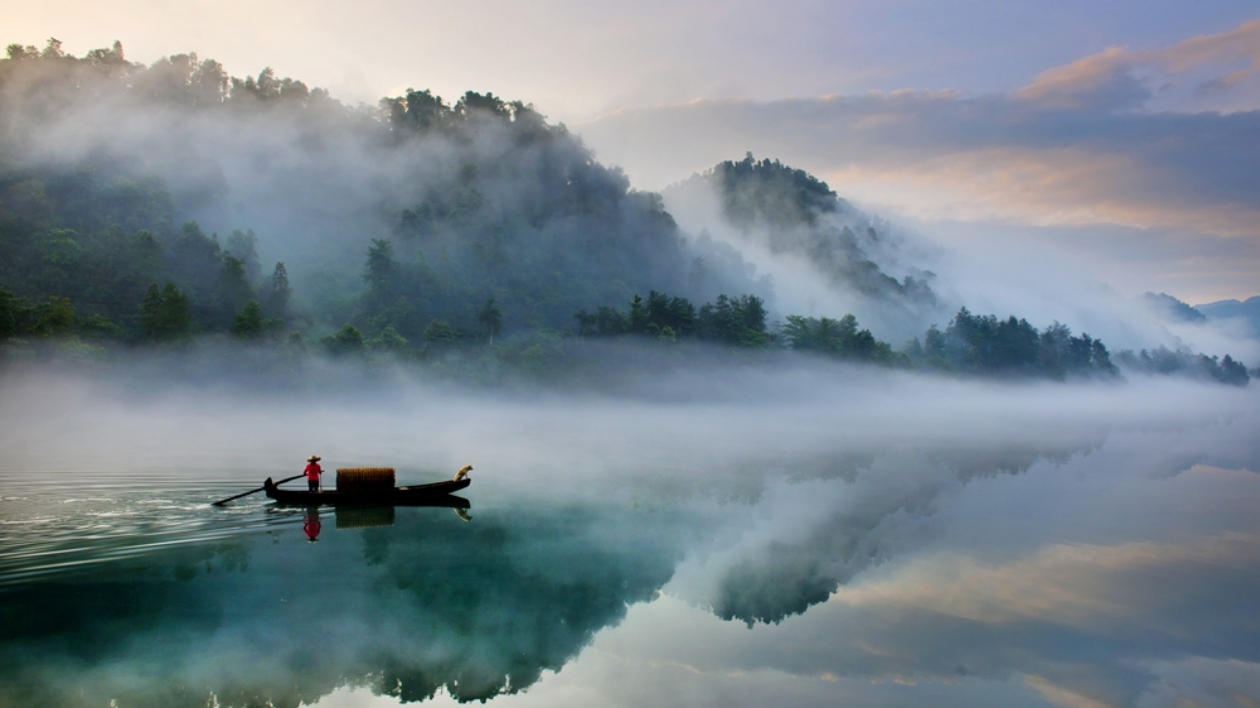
[[1064, 546]]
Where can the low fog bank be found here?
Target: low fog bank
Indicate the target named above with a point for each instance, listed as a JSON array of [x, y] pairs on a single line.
[[725, 419]]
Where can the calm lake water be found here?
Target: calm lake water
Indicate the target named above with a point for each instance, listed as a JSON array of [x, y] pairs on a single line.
[[767, 539]]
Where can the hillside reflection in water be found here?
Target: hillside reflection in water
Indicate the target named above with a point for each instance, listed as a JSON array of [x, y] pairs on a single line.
[[1109, 565]]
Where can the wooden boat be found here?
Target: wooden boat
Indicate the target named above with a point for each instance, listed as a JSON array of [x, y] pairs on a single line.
[[435, 494]]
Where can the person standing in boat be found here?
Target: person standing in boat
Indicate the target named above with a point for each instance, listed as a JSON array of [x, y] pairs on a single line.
[[313, 472]]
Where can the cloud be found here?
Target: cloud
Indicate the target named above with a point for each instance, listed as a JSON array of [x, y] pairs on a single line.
[[1218, 72], [1101, 80], [974, 157], [1160, 140]]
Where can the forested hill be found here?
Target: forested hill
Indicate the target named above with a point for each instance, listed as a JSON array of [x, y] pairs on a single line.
[[785, 211], [115, 176], [159, 205]]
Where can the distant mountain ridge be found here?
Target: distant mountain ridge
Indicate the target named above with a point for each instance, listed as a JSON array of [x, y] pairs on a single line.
[[1247, 311], [1172, 308], [1231, 308]]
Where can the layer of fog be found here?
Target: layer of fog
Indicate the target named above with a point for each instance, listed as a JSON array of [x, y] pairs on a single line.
[[351, 417]]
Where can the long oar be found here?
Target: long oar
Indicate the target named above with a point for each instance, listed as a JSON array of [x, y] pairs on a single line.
[[221, 502]]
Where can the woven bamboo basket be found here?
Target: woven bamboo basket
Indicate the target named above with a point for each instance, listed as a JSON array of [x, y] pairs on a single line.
[[364, 478]]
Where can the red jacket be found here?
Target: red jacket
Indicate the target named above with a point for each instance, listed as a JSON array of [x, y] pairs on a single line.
[[313, 472]]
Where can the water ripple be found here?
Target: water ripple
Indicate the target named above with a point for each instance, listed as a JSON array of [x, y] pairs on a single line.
[[55, 522]]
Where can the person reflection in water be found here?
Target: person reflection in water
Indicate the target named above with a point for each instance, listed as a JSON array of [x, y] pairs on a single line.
[[311, 524], [313, 472]]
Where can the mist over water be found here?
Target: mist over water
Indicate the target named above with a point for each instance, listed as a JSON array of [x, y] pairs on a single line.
[[714, 536]]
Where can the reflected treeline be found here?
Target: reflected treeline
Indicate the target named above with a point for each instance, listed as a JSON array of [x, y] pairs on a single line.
[[427, 604], [529, 594], [781, 578]]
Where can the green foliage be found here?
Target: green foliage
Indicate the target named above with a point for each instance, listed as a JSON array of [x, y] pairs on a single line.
[[983, 344], [380, 268], [279, 294], [347, 340], [13, 314], [734, 321], [1232, 372], [234, 290], [243, 245], [1164, 361], [164, 314], [98, 327], [389, 340], [672, 313], [840, 339], [53, 318], [737, 321], [249, 322], [773, 193], [439, 333]]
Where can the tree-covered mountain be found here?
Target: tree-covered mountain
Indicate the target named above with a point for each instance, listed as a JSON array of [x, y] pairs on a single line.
[[787, 213], [426, 230], [1172, 309], [113, 174]]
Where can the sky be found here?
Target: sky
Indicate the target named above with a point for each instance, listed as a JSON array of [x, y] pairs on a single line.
[[1118, 137]]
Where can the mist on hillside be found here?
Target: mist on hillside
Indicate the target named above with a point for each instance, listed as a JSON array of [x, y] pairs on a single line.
[[479, 198], [828, 257], [148, 204]]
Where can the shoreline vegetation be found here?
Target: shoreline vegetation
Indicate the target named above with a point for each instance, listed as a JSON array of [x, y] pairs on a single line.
[[503, 248]]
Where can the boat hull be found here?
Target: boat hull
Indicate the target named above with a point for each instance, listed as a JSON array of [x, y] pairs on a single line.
[[435, 494]]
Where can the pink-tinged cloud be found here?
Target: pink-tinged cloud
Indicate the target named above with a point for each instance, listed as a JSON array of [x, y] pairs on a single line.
[[1208, 72], [1099, 81], [1240, 44]]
